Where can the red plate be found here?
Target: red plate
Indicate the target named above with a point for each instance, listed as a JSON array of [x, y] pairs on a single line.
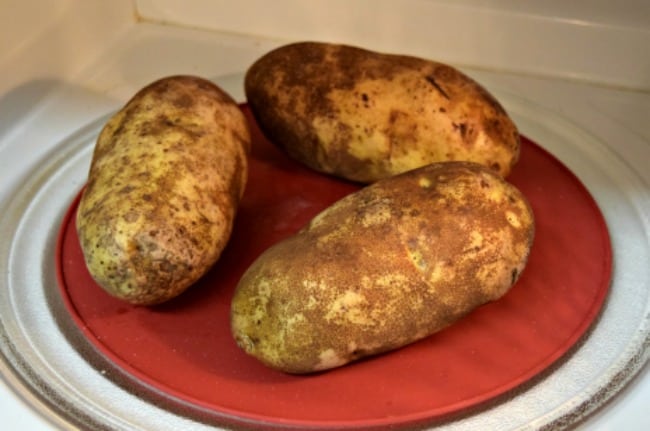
[[184, 348]]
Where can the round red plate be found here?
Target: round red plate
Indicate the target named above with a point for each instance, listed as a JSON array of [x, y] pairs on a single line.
[[184, 348]]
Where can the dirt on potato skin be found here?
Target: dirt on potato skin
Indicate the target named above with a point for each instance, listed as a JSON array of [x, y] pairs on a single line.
[[314, 99], [165, 180], [384, 267]]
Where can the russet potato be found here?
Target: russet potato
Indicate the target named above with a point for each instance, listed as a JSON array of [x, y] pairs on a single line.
[[364, 115], [383, 267], [165, 180]]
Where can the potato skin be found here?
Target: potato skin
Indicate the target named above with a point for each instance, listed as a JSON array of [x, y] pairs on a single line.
[[384, 267], [363, 115], [165, 180]]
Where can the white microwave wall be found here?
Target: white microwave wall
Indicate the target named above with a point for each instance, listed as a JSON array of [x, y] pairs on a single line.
[[594, 40]]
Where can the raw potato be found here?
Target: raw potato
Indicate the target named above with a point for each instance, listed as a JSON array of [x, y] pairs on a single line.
[[384, 267], [165, 180], [363, 116]]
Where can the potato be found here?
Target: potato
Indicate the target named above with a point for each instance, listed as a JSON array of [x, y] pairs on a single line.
[[165, 180], [383, 267], [364, 116]]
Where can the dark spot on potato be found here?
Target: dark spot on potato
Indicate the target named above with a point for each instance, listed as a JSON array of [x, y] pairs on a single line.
[[394, 116], [484, 184], [514, 276], [167, 266], [126, 189], [184, 101], [130, 217], [118, 130], [432, 80], [461, 128]]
